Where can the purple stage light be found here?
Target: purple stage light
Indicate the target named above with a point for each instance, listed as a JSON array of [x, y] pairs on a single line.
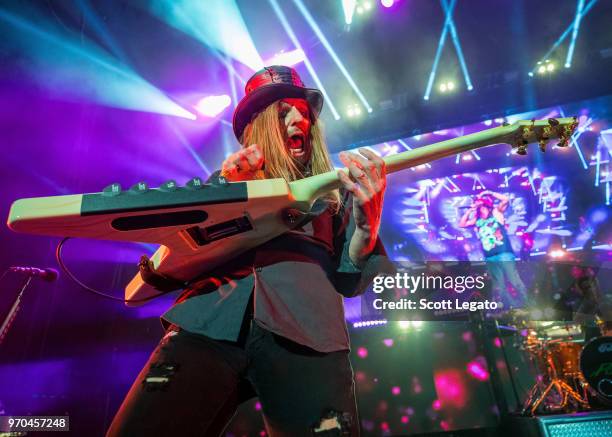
[[211, 106], [477, 369], [387, 3]]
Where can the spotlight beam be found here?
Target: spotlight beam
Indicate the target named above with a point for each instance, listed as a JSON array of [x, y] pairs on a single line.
[[564, 35], [82, 70], [349, 10], [315, 27], [577, 19], [455, 38], [597, 167], [441, 43], [216, 23], [285, 23], [185, 143], [574, 140]]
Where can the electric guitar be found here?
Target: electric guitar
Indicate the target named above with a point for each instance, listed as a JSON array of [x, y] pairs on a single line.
[[200, 226]]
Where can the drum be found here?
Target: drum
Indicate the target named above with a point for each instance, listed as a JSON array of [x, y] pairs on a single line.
[[566, 357], [596, 367]]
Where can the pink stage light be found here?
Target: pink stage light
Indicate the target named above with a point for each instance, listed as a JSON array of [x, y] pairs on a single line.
[[362, 352], [387, 3], [395, 391], [211, 106], [450, 387]]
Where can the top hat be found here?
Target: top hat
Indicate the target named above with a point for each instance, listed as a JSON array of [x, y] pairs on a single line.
[[269, 85]]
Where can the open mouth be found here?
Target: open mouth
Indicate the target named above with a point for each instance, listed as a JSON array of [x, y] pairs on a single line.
[[296, 145]]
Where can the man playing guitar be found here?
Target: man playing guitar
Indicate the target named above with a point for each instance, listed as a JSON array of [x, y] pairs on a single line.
[[270, 323]]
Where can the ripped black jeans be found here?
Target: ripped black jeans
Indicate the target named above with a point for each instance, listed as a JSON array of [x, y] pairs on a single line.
[[192, 386]]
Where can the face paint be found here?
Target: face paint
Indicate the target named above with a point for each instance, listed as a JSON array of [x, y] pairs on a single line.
[[295, 116]]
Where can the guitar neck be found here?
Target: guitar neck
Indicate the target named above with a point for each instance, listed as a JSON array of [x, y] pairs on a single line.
[[309, 189]]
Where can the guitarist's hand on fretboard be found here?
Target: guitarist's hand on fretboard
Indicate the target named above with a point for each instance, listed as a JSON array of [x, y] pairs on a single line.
[[367, 181]]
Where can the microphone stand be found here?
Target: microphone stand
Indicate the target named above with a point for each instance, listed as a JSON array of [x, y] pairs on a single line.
[[6, 324]]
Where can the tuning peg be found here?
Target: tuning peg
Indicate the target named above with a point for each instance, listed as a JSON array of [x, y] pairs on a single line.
[[521, 147], [542, 143]]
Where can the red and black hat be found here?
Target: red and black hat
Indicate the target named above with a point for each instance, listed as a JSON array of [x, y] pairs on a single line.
[[269, 85]]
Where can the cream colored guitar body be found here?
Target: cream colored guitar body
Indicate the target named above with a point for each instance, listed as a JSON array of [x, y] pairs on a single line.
[[203, 227]]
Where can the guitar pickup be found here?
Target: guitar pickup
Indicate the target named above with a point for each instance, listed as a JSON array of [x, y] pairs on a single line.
[[203, 236]]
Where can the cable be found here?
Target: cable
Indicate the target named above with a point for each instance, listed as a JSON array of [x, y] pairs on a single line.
[[60, 261]]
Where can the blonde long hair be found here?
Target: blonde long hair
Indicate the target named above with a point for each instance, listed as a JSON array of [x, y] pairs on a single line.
[[266, 130]]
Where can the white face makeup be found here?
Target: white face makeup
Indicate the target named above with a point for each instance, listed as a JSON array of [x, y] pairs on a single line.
[[295, 114]]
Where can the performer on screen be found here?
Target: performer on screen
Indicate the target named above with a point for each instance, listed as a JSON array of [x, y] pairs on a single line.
[[269, 323], [489, 223]]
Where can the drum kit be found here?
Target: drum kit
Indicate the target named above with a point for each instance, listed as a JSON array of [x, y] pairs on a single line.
[[573, 374]]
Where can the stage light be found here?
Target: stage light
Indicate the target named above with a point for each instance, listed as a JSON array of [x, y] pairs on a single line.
[[348, 7], [317, 30], [211, 106], [467, 157], [359, 10], [477, 370], [449, 25], [557, 253], [404, 324], [388, 342], [442, 88], [576, 26], [285, 23], [353, 110], [288, 59], [572, 27], [77, 69], [450, 86], [541, 69], [387, 3], [418, 324], [488, 122], [217, 24], [550, 67], [367, 6]]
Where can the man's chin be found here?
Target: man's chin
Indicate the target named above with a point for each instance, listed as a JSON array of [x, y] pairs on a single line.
[[302, 156]]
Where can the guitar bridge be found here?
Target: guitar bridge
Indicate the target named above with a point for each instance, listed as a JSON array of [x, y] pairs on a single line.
[[203, 236]]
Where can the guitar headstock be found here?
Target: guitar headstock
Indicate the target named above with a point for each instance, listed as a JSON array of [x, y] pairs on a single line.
[[524, 132]]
